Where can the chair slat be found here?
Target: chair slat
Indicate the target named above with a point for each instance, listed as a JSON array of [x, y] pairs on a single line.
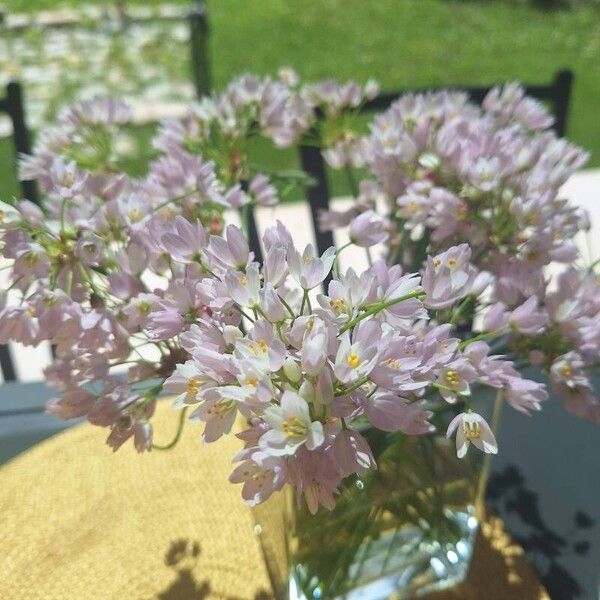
[[13, 105], [199, 48], [6, 364], [318, 196]]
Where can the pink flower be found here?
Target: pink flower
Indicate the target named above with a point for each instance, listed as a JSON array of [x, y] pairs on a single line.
[[352, 453], [527, 318], [67, 179], [261, 476], [74, 403], [230, 251], [271, 305], [455, 378], [357, 356], [389, 412], [308, 269], [262, 191], [367, 229], [187, 240], [525, 395], [314, 346], [448, 277], [316, 476]]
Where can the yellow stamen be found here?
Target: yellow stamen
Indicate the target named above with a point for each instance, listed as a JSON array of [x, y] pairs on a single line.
[[294, 427], [339, 306], [567, 371], [472, 430], [135, 215], [144, 307], [194, 385], [221, 408], [437, 262], [452, 377], [68, 180], [31, 258], [353, 360]]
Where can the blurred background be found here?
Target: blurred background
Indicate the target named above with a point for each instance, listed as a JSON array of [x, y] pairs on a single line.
[[61, 50]]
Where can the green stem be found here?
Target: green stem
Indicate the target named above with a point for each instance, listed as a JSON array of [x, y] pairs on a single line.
[[336, 262], [482, 336], [495, 424], [289, 308], [351, 180], [174, 441], [378, 307], [353, 387], [593, 265], [245, 218]]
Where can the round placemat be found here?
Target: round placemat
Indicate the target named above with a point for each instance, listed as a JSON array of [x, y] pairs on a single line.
[[79, 522]]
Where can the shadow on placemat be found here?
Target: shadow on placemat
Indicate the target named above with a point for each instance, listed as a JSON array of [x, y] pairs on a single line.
[[499, 571], [81, 523], [182, 557]]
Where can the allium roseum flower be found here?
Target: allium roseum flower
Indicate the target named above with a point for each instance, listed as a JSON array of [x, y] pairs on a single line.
[[448, 277], [291, 427], [472, 428], [142, 286], [367, 230]]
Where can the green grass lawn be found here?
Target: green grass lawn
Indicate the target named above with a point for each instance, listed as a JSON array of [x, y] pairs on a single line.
[[405, 43]]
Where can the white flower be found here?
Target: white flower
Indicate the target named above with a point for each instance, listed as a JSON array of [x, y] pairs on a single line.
[[187, 381], [314, 346], [291, 427], [354, 360], [472, 428]]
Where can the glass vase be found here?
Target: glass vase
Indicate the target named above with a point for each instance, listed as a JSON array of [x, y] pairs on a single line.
[[400, 531]]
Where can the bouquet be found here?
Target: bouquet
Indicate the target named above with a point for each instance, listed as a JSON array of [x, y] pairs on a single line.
[[142, 288]]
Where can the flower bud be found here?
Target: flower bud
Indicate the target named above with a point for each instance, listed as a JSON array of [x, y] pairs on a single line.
[[292, 370], [307, 391], [231, 334]]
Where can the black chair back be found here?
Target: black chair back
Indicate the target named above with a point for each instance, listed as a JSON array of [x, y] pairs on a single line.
[[12, 105]]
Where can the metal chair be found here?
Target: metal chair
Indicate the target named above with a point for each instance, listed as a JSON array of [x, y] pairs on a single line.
[[22, 418]]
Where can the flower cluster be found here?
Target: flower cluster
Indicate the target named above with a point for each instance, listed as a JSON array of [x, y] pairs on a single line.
[[141, 287], [308, 372], [448, 173]]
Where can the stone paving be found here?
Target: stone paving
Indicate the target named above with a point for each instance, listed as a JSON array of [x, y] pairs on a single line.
[[65, 55]]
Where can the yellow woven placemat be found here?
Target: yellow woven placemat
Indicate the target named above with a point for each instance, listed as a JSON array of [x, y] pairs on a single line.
[[78, 522]]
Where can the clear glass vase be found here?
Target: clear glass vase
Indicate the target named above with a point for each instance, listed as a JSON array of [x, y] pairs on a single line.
[[403, 530]]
